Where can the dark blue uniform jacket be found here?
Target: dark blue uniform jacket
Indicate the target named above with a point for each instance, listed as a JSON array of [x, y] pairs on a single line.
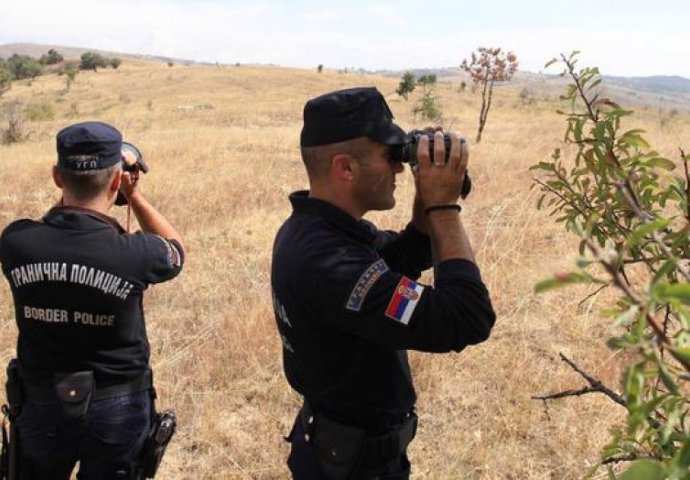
[[78, 280], [348, 307]]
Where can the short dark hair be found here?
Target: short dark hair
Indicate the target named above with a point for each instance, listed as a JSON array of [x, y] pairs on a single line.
[[87, 184], [317, 159]]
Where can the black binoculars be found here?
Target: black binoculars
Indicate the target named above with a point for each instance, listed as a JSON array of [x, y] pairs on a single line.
[[132, 161], [407, 153]]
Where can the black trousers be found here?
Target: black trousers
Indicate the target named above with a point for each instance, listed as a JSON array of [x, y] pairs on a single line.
[[304, 465], [107, 442]]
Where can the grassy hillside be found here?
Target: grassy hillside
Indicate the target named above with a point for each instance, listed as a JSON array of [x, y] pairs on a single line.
[[222, 144], [36, 50]]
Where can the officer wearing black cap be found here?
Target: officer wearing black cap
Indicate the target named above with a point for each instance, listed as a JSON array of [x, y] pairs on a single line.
[[77, 279], [347, 301]]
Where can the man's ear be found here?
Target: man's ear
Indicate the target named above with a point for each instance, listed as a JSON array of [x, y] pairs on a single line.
[[344, 167], [57, 178], [115, 183]]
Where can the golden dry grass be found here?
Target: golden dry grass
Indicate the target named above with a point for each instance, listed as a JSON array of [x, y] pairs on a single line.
[[222, 175]]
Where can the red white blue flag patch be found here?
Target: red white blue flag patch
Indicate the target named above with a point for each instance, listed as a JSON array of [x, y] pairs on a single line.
[[404, 300]]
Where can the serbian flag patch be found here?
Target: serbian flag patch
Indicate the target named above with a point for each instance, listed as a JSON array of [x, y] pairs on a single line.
[[404, 300]]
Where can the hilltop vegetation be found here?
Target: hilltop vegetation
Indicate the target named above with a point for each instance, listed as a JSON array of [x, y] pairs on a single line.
[[21, 66], [222, 144]]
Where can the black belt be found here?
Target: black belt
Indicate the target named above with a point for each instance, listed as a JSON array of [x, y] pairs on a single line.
[[392, 444], [43, 392], [376, 448]]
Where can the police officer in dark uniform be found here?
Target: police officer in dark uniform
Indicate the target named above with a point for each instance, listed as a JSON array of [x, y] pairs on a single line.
[[346, 297], [77, 279]]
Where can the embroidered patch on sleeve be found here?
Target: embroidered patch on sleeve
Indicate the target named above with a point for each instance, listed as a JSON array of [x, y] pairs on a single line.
[[174, 256], [364, 284], [404, 300]]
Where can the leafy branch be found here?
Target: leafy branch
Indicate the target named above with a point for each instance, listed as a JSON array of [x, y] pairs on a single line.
[[633, 217]]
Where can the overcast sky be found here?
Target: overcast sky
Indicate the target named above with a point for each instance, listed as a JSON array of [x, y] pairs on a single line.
[[632, 37]]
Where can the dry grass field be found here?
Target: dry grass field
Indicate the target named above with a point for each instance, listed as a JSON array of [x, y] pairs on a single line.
[[222, 144]]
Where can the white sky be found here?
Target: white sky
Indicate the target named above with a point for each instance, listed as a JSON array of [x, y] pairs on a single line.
[[632, 38]]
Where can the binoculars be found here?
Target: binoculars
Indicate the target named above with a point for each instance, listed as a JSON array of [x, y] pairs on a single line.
[[407, 153], [132, 161]]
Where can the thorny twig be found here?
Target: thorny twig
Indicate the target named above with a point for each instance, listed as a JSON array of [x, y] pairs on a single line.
[[667, 319], [626, 458], [576, 79], [595, 386], [594, 293]]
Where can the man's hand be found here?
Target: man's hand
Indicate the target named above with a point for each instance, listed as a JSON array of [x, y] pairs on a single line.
[[438, 182], [128, 184], [150, 219], [129, 158]]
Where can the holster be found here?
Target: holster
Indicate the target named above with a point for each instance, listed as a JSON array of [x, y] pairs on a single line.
[[10, 454], [340, 447], [74, 390], [163, 426], [343, 449]]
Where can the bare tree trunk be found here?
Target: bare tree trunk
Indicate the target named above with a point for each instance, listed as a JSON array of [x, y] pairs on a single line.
[[487, 94]]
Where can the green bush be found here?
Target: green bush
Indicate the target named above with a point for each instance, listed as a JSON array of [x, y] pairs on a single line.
[[632, 214], [51, 58], [92, 61], [407, 85], [6, 77], [23, 66]]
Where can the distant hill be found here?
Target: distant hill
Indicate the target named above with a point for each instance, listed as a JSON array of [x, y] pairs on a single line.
[[659, 90], [671, 92], [36, 50], [658, 83]]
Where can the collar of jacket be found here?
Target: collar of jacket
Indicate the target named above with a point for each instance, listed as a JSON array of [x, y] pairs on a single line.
[[78, 218], [360, 229]]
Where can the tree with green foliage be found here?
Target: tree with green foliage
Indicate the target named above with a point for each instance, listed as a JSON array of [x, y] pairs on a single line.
[[70, 71], [429, 108], [632, 214], [115, 62], [24, 66], [6, 76], [407, 85], [51, 58], [92, 61], [486, 67], [427, 104], [427, 80]]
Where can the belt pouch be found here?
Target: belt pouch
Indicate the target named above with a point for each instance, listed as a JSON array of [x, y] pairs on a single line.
[[340, 447], [407, 432], [74, 390], [14, 388]]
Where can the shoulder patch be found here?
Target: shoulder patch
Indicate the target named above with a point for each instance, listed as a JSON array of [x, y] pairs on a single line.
[[364, 284], [174, 256], [404, 300]]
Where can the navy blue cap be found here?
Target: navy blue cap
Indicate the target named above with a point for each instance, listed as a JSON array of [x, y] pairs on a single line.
[[347, 114], [89, 146]]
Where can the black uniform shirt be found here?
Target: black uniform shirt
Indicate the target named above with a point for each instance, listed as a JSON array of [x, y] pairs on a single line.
[[347, 308], [78, 280]]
